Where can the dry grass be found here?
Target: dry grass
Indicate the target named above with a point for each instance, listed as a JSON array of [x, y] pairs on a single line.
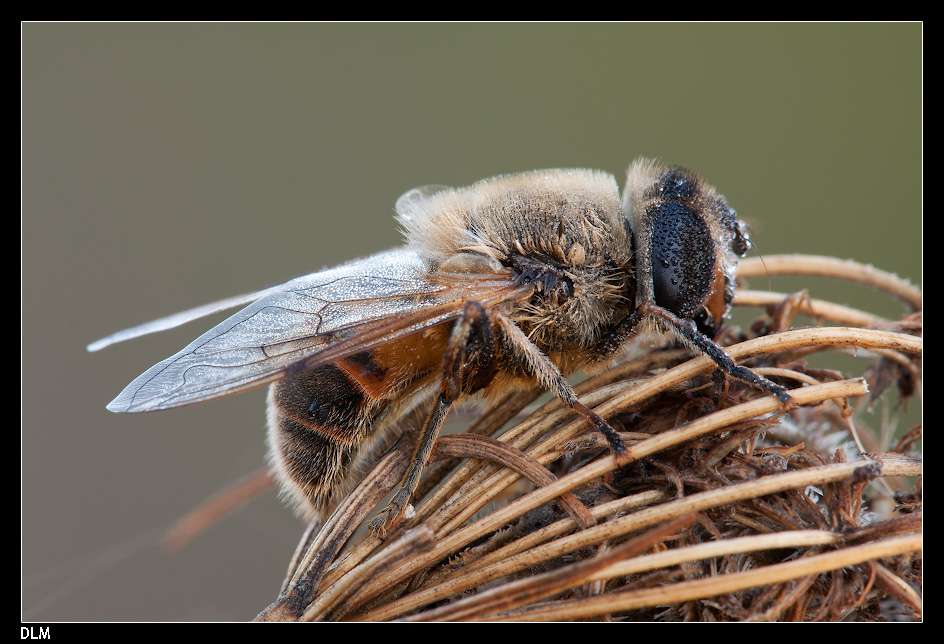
[[731, 509]]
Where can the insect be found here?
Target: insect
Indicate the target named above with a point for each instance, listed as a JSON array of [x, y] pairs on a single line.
[[513, 281]]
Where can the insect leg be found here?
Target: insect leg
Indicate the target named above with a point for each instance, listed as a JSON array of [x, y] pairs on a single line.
[[540, 367], [390, 516], [689, 333], [468, 365]]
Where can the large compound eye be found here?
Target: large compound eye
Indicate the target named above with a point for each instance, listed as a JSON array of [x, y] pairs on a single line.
[[683, 260]]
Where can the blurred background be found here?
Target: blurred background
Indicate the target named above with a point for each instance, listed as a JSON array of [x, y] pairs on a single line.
[[170, 165]]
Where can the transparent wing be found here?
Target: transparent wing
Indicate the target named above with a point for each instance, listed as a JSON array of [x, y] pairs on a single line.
[[412, 199], [177, 319], [304, 323]]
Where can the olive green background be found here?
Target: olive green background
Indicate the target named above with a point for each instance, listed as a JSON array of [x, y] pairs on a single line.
[[169, 165]]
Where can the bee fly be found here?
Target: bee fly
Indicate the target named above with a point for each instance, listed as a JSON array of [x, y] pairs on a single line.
[[515, 280]]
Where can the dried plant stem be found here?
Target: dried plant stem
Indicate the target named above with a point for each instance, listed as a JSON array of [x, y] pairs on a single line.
[[819, 309], [407, 545], [317, 550], [483, 570], [217, 506], [896, 586], [795, 264], [688, 590], [539, 586], [482, 447]]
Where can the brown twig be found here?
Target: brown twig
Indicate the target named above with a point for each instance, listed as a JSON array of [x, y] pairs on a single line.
[[844, 269]]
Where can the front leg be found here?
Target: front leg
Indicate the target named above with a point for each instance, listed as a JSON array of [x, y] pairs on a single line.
[[688, 332]]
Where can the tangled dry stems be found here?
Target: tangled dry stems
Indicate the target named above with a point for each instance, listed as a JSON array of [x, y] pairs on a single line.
[[731, 509]]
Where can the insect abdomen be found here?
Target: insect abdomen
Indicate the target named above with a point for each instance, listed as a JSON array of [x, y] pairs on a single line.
[[321, 422], [317, 423]]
